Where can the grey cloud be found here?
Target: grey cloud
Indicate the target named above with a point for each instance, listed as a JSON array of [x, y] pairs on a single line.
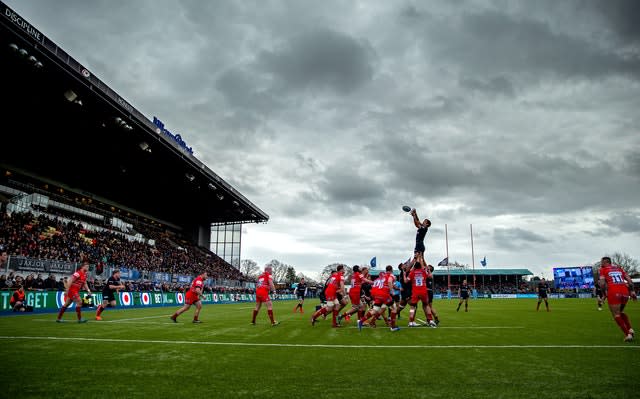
[[344, 186], [623, 222], [516, 237], [242, 90], [321, 59], [497, 86], [623, 17], [491, 42]]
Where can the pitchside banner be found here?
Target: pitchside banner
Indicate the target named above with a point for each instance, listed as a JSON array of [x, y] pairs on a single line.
[[50, 300], [45, 266]]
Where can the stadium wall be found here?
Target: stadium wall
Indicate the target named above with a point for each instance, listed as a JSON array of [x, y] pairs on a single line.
[[48, 301]]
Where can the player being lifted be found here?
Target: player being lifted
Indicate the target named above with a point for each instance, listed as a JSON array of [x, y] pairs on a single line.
[[301, 293], [108, 293], [423, 228], [193, 297]]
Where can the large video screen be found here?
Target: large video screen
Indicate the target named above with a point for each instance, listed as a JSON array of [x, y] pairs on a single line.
[[573, 277]]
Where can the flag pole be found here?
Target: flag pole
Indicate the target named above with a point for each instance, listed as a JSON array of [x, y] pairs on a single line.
[[473, 263], [446, 240]]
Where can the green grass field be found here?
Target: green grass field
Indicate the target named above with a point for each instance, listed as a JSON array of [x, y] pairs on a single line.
[[499, 349]]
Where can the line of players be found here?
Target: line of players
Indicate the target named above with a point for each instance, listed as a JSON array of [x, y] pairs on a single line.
[[372, 299], [415, 285]]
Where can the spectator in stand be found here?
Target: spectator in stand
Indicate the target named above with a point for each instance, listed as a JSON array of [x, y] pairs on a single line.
[[3, 281], [29, 282], [4, 257], [18, 281], [38, 283], [62, 283], [50, 283]]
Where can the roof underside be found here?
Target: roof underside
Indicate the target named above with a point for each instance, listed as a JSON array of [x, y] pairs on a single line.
[[85, 146]]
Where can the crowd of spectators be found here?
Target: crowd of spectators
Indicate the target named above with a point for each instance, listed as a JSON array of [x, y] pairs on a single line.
[[53, 237]]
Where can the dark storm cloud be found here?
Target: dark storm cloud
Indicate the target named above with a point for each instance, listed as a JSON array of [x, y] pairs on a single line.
[[243, 91], [321, 59], [623, 222], [502, 182], [344, 186], [517, 238], [493, 43], [623, 17]]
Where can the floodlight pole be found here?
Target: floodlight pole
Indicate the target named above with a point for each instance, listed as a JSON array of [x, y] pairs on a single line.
[[473, 263], [446, 240]]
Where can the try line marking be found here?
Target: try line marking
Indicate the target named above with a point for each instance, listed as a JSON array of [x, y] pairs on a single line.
[[156, 341]]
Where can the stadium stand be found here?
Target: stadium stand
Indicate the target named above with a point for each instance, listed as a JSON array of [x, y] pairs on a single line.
[[83, 172]]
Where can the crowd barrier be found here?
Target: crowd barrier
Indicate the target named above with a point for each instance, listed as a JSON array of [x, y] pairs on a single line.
[[52, 300]]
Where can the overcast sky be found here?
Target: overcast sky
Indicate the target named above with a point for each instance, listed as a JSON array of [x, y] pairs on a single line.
[[521, 118]]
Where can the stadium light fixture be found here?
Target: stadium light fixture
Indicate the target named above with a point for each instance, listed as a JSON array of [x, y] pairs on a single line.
[[144, 146], [220, 196], [241, 211], [235, 203], [189, 176], [14, 47], [70, 95], [253, 215], [122, 123], [212, 186]]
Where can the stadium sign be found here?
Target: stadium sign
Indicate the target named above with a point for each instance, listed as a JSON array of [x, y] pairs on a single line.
[[35, 265], [174, 137], [22, 24]]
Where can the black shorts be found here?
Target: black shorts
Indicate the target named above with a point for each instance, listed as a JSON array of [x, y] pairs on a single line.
[[542, 295], [108, 296], [464, 295], [405, 294], [419, 248], [396, 298], [301, 296], [430, 295]]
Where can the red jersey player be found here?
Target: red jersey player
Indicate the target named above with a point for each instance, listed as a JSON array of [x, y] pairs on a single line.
[[381, 293], [357, 278], [617, 286], [418, 278], [335, 286], [193, 297], [263, 287], [77, 282]]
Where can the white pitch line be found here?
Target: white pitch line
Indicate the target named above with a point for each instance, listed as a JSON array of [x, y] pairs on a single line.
[[138, 318], [472, 327], [155, 341], [108, 321]]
